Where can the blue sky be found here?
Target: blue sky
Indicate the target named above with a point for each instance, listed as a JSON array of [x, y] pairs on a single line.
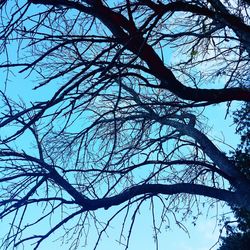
[[200, 237]]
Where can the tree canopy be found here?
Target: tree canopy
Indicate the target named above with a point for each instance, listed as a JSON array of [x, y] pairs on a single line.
[[120, 115], [238, 236]]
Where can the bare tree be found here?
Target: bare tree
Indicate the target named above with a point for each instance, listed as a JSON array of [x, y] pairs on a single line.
[[121, 123]]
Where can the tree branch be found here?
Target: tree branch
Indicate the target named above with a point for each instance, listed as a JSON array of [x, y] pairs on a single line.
[[135, 42], [155, 189]]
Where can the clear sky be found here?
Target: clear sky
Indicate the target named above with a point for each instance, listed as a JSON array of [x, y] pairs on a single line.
[[202, 236]]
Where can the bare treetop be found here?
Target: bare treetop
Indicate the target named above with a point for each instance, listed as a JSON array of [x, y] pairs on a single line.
[[121, 122]]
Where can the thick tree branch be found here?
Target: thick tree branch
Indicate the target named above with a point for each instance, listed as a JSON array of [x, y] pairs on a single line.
[[235, 198], [220, 14], [155, 189], [218, 157], [135, 42]]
